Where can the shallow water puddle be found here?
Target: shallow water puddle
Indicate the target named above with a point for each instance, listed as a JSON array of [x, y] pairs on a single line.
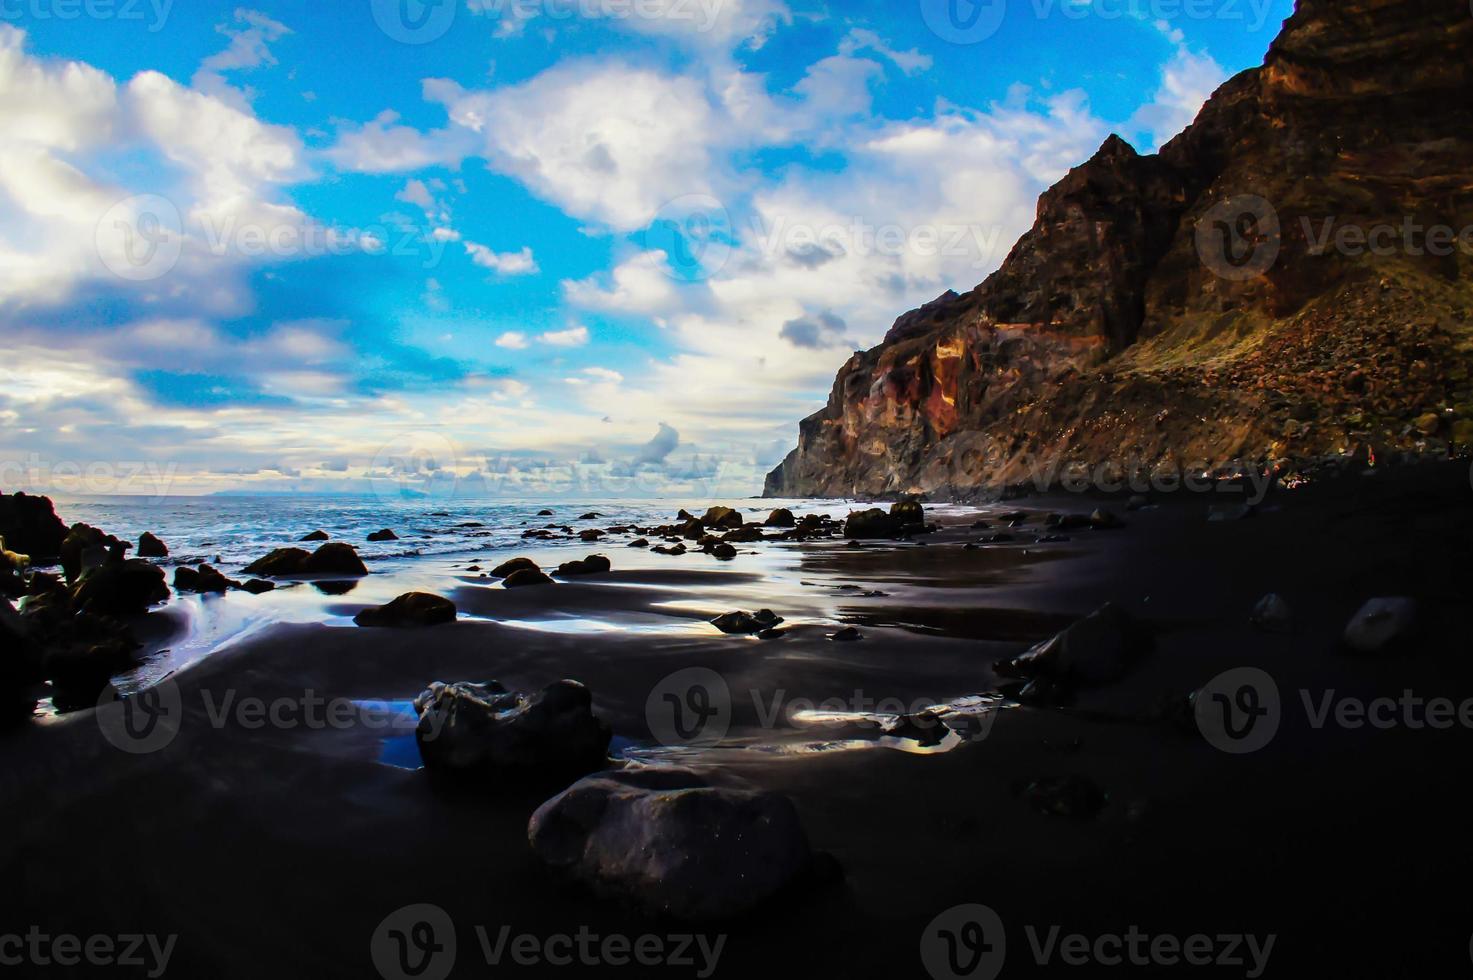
[[398, 747]]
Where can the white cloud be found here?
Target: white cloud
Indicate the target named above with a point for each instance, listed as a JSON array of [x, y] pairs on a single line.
[[512, 340], [604, 142], [572, 337], [502, 263], [861, 39], [1186, 82]]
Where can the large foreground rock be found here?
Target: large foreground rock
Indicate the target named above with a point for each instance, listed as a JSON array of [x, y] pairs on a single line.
[[487, 728], [30, 526], [123, 588], [667, 840]]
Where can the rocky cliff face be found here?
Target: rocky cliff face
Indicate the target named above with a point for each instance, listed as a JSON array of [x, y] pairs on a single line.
[[1288, 277]]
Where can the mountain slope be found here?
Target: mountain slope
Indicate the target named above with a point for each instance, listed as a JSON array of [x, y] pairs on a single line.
[[1212, 302]]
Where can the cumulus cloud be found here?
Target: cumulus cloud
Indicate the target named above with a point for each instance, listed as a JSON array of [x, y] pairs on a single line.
[[513, 340], [572, 337], [519, 263], [815, 331], [664, 442]]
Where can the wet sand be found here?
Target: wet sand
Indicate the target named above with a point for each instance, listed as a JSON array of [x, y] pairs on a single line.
[[277, 850]]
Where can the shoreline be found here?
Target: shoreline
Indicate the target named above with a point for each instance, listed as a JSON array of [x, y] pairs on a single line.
[[310, 825]]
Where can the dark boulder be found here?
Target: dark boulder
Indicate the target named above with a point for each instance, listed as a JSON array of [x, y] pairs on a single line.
[[1383, 625], [204, 580], [526, 576], [257, 586], [314, 536], [592, 565], [512, 565], [745, 534], [847, 634], [281, 561], [909, 514], [486, 728], [410, 609], [742, 622], [30, 526], [544, 513], [638, 543], [591, 534], [781, 517], [122, 588], [1095, 650], [722, 517], [86, 547], [668, 841], [384, 535], [335, 558], [149, 546], [723, 551], [872, 523]]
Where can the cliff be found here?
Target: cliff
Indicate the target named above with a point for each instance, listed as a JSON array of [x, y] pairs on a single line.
[[1289, 277]]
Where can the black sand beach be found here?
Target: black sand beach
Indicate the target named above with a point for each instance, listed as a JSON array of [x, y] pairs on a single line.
[[1336, 844]]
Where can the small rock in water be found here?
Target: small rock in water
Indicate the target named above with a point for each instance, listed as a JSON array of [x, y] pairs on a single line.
[[205, 580], [781, 517], [668, 841], [723, 551], [149, 546], [1272, 614], [410, 609], [544, 513], [384, 535], [590, 516], [638, 543], [592, 534], [1382, 625], [741, 622], [722, 517], [846, 635], [526, 576], [314, 536], [257, 586]]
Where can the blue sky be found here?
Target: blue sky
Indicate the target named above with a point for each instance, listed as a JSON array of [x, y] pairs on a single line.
[[515, 247]]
